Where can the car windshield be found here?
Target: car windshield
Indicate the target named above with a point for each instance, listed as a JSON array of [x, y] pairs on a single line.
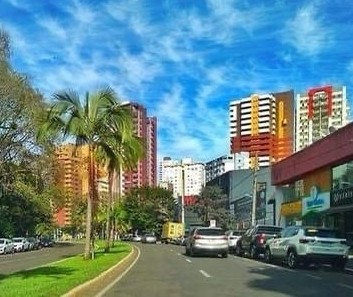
[[17, 240], [210, 231], [326, 233], [269, 230]]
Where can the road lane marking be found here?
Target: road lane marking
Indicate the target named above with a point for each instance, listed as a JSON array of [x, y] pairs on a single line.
[[204, 273], [113, 283], [313, 276], [345, 286], [188, 260], [179, 254]]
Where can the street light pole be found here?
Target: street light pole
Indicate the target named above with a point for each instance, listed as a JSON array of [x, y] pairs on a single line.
[[255, 169]]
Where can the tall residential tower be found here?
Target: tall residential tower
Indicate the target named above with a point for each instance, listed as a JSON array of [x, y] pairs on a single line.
[[263, 125], [320, 111]]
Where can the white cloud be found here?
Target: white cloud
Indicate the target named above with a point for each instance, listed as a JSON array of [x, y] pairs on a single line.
[[306, 32], [53, 27]]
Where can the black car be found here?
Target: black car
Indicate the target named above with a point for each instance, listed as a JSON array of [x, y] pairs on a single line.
[[46, 242]]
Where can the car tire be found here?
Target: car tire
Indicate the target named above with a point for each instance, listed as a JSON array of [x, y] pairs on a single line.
[[238, 251], [253, 252], [225, 255], [268, 255], [192, 252], [339, 265], [187, 251], [292, 259]]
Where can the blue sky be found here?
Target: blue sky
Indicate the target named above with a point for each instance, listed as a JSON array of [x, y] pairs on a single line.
[[184, 60]]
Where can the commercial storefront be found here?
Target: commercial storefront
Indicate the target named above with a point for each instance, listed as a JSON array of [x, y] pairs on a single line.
[[321, 180]]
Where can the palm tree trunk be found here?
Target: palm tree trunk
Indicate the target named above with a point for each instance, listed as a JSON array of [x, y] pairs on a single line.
[[109, 207], [90, 198]]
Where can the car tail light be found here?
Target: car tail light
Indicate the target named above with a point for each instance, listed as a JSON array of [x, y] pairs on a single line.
[[261, 238]]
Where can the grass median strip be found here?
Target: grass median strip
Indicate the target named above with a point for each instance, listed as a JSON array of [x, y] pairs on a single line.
[[56, 279]]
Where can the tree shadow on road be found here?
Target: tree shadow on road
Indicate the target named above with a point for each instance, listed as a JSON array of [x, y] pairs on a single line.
[[295, 283], [47, 271]]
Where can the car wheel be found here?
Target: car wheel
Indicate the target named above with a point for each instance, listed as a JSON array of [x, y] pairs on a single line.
[[225, 255], [238, 251], [339, 265], [253, 253], [192, 252], [268, 255], [187, 251], [292, 259]]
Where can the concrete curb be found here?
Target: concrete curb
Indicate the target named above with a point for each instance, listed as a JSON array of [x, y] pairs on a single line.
[[95, 286]]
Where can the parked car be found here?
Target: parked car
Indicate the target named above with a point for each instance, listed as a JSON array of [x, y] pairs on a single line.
[[21, 244], [34, 243], [253, 242], [46, 242], [233, 237], [137, 238], [6, 246], [149, 238], [207, 240], [305, 245]]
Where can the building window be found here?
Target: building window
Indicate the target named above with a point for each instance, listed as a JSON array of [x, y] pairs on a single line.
[[342, 176]]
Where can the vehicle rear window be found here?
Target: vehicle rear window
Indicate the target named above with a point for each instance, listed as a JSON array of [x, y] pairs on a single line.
[[326, 233], [210, 231], [2, 241], [269, 230]]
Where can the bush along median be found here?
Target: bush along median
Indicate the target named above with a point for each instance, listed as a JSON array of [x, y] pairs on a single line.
[[56, 279]]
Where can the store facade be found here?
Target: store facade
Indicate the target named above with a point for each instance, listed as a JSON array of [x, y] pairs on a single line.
[[315, 185]]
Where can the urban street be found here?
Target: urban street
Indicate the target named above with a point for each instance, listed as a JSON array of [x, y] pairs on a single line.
[[164, 270]]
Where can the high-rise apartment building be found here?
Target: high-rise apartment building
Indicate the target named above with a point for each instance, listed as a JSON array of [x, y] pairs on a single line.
[[72, 176], [145, 172], [226, 163], [263, 125], [186, 176], [319, 111]]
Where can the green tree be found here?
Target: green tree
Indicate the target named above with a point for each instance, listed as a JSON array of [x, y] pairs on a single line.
[[149, 207], [88, 123], [211, 204]]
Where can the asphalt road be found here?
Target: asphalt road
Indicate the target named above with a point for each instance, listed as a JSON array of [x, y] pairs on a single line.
[[26, 260], [164, 270]]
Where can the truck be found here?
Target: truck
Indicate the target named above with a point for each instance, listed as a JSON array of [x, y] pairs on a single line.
[[171, 232]]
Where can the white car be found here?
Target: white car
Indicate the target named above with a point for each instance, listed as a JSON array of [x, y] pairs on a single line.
[[305, 245], [6, 246], [233, 237], [21, 244]]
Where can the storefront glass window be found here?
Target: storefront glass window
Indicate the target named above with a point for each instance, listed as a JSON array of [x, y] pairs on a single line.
[[342, 176]]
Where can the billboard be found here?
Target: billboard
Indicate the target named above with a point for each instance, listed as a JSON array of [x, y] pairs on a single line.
[[260, 200]]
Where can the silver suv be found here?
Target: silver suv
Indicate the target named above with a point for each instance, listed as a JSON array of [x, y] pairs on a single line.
[[305, 245], [207, 240]]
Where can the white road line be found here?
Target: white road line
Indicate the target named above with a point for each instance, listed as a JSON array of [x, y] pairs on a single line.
[[108, 287], [345, 286], [188, 260], [205, 274], [313, 276], [179, 254]]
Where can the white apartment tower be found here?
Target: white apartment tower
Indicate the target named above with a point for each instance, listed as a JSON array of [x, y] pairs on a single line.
[[320, 111], [186, 177], [226, 163]]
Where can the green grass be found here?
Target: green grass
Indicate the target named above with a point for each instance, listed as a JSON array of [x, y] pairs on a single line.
[[58, 278]]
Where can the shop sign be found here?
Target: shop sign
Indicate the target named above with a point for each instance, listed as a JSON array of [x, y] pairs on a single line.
[[291, 208], [316, 202], [342, 197]]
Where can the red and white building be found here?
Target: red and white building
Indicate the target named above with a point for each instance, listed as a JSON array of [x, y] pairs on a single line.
[[319, 112]]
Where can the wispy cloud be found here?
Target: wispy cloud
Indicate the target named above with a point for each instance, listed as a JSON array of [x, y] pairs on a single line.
[[307, 32], [184, 60]]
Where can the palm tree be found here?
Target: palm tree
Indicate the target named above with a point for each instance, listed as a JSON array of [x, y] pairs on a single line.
[[87, 123], [119, 153]]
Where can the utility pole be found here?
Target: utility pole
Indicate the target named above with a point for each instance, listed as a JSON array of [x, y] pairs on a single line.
[[183, 195], [255, 169]]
